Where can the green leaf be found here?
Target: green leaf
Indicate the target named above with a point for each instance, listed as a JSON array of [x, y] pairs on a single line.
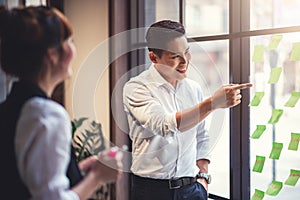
[[89, 140]]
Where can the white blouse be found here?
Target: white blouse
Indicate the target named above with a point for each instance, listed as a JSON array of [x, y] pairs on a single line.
[[43, 145]]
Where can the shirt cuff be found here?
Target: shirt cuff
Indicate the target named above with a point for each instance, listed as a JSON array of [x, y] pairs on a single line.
[[203, 155], [74, 195]]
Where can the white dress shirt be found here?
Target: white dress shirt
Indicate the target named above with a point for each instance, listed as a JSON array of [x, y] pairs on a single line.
[[159, 149], [43, 139]]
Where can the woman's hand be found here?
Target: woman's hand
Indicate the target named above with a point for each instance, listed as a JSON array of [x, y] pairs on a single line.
[[105, 167]]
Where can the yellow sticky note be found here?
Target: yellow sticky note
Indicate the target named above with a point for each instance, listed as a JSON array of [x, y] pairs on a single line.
[[259, 131], [276, 114], [276, 150], [257, 98], [259, 164], [293, 178], [294, 143], [275, 74], [258, 195], [295, 96], [274, 188], [258, 55], [275, 40], [295, 51]]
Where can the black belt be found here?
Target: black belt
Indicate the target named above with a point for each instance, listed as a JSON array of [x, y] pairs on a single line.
[[170, 183]]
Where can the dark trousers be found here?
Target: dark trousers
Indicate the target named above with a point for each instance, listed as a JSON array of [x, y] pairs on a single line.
[[152, 189]]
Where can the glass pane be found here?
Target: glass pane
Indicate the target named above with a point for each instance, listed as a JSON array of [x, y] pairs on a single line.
[[209, 66], [158, 10], [206, 17], [275, 71], [35, 2], [274, 13]]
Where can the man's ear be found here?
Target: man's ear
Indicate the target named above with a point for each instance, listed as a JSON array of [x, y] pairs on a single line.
[[152, 57]]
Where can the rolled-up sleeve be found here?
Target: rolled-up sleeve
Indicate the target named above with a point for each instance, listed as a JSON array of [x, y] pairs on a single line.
[[146, 110], [203, 138], [203, 144]]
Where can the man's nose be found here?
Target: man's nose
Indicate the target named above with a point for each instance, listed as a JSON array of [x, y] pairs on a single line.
[[184, 58]]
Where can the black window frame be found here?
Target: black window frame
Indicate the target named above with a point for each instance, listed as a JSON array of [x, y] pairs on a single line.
[[239, 72]]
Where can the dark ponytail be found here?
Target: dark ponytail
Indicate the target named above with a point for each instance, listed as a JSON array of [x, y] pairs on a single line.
[[26, 34]]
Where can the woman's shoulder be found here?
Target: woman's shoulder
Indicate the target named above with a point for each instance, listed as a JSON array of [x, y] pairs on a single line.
[[44, 108]]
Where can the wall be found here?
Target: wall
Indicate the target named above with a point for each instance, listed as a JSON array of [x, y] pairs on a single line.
[[86, 97]]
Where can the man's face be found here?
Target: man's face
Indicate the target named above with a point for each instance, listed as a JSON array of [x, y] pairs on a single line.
[[174, 61]]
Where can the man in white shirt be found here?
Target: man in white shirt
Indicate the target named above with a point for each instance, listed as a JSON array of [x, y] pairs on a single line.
[[166, 112]]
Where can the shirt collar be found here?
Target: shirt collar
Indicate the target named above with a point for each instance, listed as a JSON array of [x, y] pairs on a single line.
[[158, 80]]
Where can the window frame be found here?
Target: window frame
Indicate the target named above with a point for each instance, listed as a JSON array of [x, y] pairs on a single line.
[[239, 72]]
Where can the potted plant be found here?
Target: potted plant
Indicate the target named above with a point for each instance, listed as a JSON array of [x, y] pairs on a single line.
[[87, 140]]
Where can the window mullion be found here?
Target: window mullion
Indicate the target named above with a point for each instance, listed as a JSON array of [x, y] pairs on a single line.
[[245, 111], [239, 117]]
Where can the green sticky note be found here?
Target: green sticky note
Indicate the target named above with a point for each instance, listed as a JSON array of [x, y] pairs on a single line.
[[274, 188], [274, 42], [275, 74], [258, 132], [258, 195], [295, 96], [293, 178], [259, 164], [295, 51], [257, 98], [294, 143], [276, 150], [276, 114], [258, 55]]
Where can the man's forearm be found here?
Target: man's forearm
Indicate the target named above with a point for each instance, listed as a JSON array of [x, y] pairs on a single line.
[[189, 118]]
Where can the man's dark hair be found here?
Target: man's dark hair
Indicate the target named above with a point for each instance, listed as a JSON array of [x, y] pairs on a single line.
[[162, 32]]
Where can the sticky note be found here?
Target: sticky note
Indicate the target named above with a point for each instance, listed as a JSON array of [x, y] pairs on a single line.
[[293, 178], [276, 114], [258, 132], [274, 188], [275, 40], [294, 143], [276, 150], [295, 51], [295, 96], [258, 195], [275, 75], [259, 164], [258, 55], [257, 98]]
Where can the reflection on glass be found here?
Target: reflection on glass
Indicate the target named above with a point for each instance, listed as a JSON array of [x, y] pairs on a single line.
[[275, 97], [206, 17], [209, 66], [274, 13], [159, 10]]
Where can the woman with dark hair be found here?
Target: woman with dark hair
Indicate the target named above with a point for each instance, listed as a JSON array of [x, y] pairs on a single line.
[[37, 48]]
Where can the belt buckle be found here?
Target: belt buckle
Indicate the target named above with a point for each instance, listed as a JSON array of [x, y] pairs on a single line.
[[171, 186]]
